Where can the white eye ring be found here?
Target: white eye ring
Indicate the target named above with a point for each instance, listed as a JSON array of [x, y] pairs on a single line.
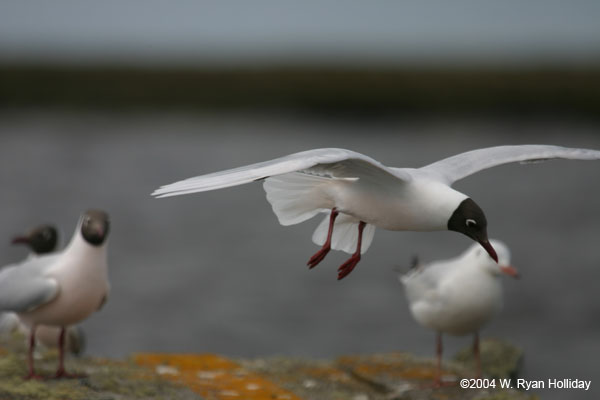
[[471, 222]]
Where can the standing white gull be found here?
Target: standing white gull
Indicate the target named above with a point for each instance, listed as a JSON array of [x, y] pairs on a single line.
[[458, 296], [63, 288], [43, 239], [359, 193]]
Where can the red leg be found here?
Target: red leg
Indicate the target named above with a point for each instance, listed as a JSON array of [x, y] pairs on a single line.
[[31, 373], [349, 265], [477, 354], [60, 372], [320, 255], [437, 381], [438, 371]]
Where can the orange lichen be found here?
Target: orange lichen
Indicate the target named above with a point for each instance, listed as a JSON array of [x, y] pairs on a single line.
[[393, 365], [214, 377]]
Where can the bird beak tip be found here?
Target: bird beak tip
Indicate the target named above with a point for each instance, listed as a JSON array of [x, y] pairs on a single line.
[[510, 271], [488, 247]]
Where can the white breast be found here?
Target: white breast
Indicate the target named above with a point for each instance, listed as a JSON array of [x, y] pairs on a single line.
[[82, 275], [420, 205]]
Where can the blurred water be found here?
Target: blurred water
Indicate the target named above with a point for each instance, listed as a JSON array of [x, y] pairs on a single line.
[[215, 272]]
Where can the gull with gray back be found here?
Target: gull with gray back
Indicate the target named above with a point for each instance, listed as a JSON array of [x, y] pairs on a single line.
[[60, 289], [458, 296], [359, 193]]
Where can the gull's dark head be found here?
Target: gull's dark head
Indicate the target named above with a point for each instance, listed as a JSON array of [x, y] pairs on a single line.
[[95, 226], [40, 240], [469, 219]]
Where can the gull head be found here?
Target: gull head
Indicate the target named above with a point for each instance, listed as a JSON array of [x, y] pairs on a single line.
[[40, 240], [469, 219], [95, 226]]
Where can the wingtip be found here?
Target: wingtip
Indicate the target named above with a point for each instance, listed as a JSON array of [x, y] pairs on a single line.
[[157, 194]]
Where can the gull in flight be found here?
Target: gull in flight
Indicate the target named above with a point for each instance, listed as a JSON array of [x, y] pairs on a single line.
[[458, 296], [359, 193], [60, 289]]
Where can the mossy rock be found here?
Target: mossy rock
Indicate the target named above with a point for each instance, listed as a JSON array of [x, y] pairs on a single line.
[[106, 379], [499, 359]]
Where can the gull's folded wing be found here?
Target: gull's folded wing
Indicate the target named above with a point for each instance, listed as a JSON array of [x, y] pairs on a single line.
[[23, 287], [452, 169], [335, 163]]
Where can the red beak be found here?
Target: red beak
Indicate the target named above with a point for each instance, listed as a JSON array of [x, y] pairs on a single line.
[[20, 240], [488, 247], [510, 271]]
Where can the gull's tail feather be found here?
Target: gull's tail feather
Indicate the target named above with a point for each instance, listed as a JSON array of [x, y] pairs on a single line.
[[296, 197], [345, 234]]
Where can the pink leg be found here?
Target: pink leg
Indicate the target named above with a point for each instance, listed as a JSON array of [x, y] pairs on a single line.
[[349, 265], [60, 372], [31, 373], [320, 255], [477, 354]]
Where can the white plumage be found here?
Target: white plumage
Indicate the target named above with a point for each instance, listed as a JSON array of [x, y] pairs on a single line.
[[63, 288], [458, 296], [367, 194]]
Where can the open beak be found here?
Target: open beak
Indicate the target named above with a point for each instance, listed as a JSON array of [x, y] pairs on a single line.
[[510, 271], [20, 240], [488, 247]]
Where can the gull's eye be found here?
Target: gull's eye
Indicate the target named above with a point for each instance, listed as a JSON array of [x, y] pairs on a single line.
[[471, 223]]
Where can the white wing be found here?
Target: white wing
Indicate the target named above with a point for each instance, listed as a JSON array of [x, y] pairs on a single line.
[[23, 287], [422, 283], [337, 163], [452, 169]]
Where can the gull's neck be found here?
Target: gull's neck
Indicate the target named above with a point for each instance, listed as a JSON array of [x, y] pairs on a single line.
[[79, 247], [437, 202]]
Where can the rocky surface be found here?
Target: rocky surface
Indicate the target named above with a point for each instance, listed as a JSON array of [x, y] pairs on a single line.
[[392, 376], [107, 379]]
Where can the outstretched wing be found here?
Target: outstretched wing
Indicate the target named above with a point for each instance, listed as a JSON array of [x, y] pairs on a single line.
[[335, 163], [23, 287], [452, 169]]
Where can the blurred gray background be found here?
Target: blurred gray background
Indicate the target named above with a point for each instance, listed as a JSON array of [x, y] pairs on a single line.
[[102, 102]]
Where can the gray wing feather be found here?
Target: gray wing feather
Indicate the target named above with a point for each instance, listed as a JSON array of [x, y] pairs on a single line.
[[23, 287], [452, 169], [339, 163]]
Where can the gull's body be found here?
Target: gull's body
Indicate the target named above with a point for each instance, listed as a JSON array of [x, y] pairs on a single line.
[[458, 296], [43, 240], [415, 205], [80, 277], [359, 193], [60, 289]]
